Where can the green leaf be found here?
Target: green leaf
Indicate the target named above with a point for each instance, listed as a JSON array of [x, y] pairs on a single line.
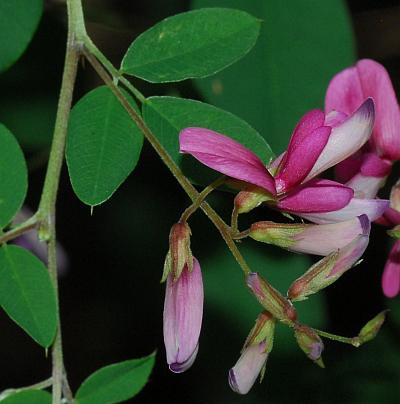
[[18, 22], [167, 116], [191, 45], [116, 383], [27, 294], [13, 176], [103, 146], [302, 44], [28, 397]]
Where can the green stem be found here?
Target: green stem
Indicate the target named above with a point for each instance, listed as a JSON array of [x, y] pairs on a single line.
[[47, 205], [165, 157], [355, 341], [37, 386], [17, 231], [94, 50], [234, 219], [203, 194]]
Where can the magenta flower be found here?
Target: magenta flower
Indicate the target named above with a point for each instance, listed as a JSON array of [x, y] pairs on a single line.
[[369, 79], [391, 273], [313, 148], [183, 313], [371, 176]]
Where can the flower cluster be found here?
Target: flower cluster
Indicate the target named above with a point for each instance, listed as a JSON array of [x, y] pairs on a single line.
[[357, 134], [367, 170]]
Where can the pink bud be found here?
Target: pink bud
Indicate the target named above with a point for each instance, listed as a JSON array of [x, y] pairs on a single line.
[[271, 299], [310, 342], [391, 273], [329, 269], [243, 375], [318, 239], [255, 352], [183, 313]]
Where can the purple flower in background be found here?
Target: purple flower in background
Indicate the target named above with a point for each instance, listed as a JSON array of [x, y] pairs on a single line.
[[391, 273], [366, 171], [30, 241], [369, 79], [183, 313]]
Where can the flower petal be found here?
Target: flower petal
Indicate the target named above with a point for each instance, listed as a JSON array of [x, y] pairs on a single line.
[[366, 187], [225, 155], [349, 255], [316, 196], [374, 166], [346, 138], [392, 217], [369, 79], [317, 239], [391, 273], [376, 83], [373, 208], [322, 239], [300, 159], [371, 178], [344, 92], [243, 375], [183, 312]]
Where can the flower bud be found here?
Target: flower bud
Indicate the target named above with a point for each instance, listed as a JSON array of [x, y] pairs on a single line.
[[310, 342], [250, 198], [310, 238], [328, 270], [371, 329], [254, 354], [183, 313], [179, 253], [271, 299], [391, 272]]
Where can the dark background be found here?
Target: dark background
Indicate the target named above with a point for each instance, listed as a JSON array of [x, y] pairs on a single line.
[[111, 297]]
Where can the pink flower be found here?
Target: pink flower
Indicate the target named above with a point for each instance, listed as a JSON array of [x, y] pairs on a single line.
[[366, 171], [254, 354], [329, 269], [183, 313], [369, 79], [373, 208], [246, 370], [313, 148], [391, 273], [318, 239]]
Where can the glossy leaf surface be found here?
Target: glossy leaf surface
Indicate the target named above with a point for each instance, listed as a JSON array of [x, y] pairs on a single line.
[[192, 44], [13, 176], [103, 146], [302, 44], [18, 22], [27, 294], [116, 383]]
